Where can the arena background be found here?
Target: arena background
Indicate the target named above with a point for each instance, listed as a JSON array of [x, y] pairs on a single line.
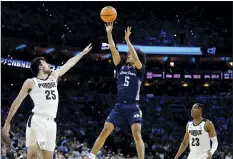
[[189, 60]]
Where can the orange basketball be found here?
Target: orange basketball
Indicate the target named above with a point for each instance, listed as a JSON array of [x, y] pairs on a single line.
[[108, 14]]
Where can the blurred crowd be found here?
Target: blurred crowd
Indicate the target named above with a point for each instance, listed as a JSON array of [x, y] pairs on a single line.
[[80, 120], [163, 24]]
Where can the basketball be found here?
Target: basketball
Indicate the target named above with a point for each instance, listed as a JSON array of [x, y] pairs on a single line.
[[108, 14]]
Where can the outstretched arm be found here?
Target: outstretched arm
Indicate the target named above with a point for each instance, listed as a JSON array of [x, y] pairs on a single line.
[[115, 54], [132, 51], [71, 62], [28, 84], [184, 144]]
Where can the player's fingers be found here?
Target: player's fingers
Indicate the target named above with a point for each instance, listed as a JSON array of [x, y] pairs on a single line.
[[89, 45]]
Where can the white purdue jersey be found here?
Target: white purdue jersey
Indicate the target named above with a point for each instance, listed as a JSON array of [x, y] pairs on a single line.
[[45, 97], [199, 140]]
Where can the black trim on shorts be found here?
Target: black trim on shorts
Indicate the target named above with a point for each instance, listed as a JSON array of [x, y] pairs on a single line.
[[136, 122], [30, 120]]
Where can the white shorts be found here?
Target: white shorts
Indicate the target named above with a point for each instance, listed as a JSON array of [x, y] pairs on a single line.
[[41, 130], [198, 155]]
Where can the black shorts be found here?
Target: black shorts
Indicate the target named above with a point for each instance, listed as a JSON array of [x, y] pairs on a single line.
[[125, 113]]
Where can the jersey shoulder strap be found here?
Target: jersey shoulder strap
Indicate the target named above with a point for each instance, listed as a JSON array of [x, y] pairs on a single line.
[[35, 80], [35, 85], [51, 76], [205, 120], [188, 124]]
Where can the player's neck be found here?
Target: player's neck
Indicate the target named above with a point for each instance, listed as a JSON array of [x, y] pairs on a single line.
[[42, 75], [129, 64], [197, 120]]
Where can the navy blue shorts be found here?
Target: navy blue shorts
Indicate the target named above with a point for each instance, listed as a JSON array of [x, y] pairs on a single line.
[[125, 113]]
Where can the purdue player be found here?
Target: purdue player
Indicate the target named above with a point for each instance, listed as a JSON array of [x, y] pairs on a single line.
[[198, 134], [41, 128], [126, 110]]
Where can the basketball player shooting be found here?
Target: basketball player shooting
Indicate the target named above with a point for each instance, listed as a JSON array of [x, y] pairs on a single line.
[[41, 128], [129, 79], [198, 134]]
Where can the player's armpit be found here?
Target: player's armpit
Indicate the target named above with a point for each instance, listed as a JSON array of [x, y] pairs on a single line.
[[210, 129], [56, 74]]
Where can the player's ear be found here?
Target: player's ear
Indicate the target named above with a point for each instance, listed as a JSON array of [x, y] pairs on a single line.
[[40, 67]]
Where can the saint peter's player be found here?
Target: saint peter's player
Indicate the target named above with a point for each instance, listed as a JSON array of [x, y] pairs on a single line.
[[198, 134], [41, 127], [126, 110]]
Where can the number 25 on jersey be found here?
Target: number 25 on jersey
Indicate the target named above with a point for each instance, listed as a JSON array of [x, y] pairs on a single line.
[[50, 95]]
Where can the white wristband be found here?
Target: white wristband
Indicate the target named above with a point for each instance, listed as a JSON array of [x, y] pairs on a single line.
[[214, 144]]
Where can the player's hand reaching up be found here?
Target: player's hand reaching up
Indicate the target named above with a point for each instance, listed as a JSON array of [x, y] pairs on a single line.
[[87, 49], [127, 33], [109, 27]]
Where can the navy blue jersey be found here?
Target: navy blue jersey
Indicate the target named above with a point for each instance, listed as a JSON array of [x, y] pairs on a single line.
[[129, 81]]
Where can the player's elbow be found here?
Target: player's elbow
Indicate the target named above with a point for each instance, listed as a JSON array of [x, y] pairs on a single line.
[[16, 104], [116, 61], [71, 62], [185, 141], [138, 64]]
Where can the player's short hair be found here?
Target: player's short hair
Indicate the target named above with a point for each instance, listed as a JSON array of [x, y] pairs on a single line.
[[141, 56], [35, 64], [200, 106]]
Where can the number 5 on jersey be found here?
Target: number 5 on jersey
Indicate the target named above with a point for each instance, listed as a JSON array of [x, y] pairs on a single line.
[[50, 95], [126, 81]]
